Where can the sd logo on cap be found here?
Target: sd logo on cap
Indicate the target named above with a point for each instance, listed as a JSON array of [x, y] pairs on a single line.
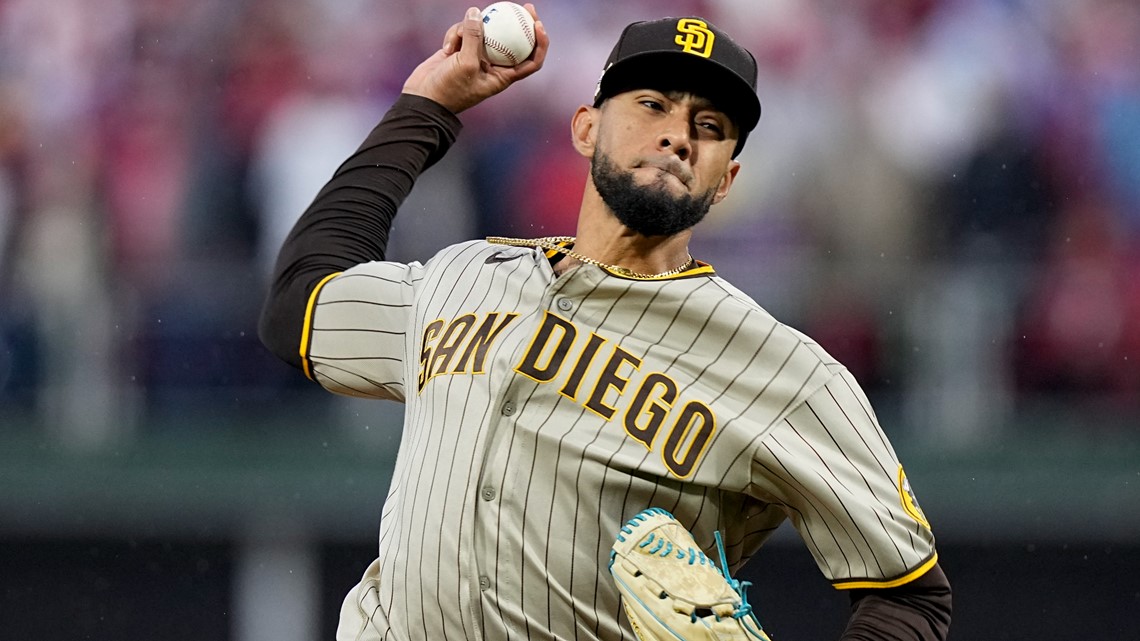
[[685, 54]]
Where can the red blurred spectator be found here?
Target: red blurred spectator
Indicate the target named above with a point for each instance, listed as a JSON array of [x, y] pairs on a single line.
[[1079, 329]]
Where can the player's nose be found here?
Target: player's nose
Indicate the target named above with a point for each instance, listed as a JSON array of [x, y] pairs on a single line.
[[675, 138]]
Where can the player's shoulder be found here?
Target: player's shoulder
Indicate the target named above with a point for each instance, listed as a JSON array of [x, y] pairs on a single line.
[[461, 254], [475, 246], [464, 262], [479, 249], [735, 297], [772, 327], [450, 256]]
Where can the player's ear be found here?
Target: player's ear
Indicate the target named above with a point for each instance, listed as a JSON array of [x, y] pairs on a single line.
[[584, 130], [726, 181]]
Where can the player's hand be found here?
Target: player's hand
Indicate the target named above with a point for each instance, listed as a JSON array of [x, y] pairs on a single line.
[[459, 76]]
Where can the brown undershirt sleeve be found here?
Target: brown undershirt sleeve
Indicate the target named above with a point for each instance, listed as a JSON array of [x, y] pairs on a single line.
[[917, 611], [348, 222]]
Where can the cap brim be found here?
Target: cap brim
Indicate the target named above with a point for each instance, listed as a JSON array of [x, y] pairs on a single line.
[[679, 71]]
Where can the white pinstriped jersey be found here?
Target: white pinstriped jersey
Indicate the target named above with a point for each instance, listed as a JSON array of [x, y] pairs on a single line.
[[542, 411]]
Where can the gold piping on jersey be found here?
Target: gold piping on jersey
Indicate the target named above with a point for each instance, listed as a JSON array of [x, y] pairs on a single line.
[[551, 253], [307, 328], [909, 500], [891, 583], [561, 245]]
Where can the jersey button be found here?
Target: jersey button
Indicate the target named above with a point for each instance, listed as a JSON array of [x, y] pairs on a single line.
[[565, 304], [488, 493], [484, 583], [508, 408]]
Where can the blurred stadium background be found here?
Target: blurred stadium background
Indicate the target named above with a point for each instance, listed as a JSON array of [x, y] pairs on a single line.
[[945, 193]]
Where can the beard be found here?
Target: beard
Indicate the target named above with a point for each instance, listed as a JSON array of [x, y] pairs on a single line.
[[649, 210]]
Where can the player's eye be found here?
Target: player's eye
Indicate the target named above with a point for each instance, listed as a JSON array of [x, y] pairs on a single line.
[[711, 127], [653, 104]]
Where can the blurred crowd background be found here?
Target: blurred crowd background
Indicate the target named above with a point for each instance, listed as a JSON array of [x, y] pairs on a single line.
[[946, 194]]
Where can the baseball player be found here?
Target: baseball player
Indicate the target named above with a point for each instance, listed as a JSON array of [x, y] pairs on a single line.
[[556, 387]]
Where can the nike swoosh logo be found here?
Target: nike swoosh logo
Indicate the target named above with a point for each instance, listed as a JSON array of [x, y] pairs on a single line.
[[499, 257]]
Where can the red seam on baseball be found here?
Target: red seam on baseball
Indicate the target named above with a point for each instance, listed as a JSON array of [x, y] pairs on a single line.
[[525, 25], [501, 48]]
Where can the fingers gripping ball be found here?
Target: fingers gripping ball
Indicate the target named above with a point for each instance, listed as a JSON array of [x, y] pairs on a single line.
[[508, 34], [671, 591]]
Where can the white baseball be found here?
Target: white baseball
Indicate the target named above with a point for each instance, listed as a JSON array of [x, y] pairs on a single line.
[[508, 33]]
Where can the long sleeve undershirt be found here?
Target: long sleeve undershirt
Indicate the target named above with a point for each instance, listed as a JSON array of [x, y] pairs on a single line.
[[348, 222]]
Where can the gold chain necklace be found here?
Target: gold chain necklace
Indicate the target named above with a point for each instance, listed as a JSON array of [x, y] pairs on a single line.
[[552, 243]]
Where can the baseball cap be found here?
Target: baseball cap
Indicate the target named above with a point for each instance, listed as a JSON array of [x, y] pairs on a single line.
[[689, 54]]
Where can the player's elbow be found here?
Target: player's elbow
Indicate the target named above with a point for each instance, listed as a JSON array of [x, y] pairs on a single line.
[[279, 328]]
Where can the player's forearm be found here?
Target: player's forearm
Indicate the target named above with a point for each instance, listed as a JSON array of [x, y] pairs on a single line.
[[348, 222], [918, 611]]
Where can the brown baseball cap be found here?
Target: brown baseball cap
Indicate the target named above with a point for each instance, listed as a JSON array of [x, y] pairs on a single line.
[[688, 54]]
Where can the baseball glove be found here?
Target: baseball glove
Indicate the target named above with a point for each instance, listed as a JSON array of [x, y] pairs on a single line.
[[672, 591]]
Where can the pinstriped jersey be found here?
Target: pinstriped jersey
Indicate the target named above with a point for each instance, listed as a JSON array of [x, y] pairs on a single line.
[[542, 411]]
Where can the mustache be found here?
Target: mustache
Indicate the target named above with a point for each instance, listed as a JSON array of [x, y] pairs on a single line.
[[668, 164]]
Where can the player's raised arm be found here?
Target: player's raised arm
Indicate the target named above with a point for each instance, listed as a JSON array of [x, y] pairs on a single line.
[[348, 222]]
